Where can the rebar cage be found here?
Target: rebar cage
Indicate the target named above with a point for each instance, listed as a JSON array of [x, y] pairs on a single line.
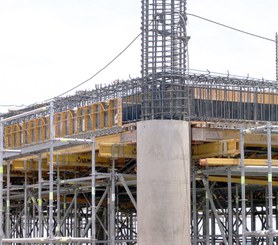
[[164, 47]]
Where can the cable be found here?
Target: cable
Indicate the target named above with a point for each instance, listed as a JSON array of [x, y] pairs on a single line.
[[232, 28], [12, 105], [117, 56], [99, 71]]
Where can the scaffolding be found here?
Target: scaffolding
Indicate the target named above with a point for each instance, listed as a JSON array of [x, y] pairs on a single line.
[[233, 201], [54, 191], [68, 168]]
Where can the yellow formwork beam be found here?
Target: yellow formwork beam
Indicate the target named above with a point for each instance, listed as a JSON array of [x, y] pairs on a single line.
[[215, 135], [248, 181], [79, 160], [65, 162], [235, 162], [30, 166], [214, 149], [112, 150]]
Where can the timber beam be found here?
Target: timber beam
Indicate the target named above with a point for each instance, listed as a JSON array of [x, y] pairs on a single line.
[[237, 180], [234, 162]]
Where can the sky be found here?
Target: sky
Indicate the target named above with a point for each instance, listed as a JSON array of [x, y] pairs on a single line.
[[49, 46]]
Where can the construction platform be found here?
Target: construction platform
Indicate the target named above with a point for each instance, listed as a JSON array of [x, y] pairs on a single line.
[[69, 168]]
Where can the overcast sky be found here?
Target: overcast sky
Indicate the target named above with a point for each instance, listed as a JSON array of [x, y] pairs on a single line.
[[49, 46]]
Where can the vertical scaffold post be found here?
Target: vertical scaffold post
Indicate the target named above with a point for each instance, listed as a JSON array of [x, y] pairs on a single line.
[[194, 207], [58, 183], [8, 199], [26, 201], [51, 181], [1, 178], [270, 190], [243, 201], [93, 193], [112, 199], [237, 215], [230, 208], [40, 211]]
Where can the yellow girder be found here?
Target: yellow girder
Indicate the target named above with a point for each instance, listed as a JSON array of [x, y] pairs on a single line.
[[248, 181], [112, 150], [235, 162], [214, 149]]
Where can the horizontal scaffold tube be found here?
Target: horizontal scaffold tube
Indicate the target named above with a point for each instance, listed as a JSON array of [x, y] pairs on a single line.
[[24, 114], [43, 240], [62, 240]]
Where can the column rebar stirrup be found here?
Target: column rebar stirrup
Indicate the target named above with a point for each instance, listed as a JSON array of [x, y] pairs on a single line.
[[163, 58]]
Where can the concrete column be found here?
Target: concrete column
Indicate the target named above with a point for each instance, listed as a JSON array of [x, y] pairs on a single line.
[[163, 182]]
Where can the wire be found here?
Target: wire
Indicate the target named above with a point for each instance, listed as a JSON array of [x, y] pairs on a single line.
[[232, 28], [99, 71], [117, 56], [12, 105]]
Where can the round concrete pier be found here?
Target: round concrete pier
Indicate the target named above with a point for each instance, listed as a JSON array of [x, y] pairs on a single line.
[[163, 184]]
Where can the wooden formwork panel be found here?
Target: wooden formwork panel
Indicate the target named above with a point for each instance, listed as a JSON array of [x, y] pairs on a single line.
[[236, 96]]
